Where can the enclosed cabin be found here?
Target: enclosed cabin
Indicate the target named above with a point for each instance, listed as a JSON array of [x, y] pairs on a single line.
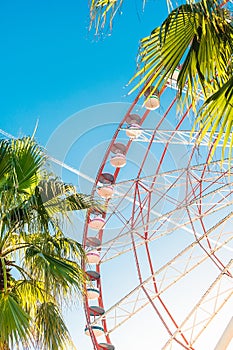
[[134, 129], [152, 101], [118, 160], [106, 189]]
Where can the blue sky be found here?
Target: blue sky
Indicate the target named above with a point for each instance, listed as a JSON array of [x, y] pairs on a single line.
[[51, 66]]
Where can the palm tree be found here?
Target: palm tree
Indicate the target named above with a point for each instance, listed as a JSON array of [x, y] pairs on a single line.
[[39, 266], [197, 37]]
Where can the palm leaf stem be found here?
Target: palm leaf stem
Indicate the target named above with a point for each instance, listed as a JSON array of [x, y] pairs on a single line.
[[21, 270], [18, 247], [3, 265]]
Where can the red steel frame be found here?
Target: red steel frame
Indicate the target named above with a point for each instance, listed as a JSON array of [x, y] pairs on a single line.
[[216, 260], [196, 192]]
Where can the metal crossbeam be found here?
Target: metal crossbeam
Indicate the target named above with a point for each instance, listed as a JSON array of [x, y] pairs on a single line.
[[178, 137]]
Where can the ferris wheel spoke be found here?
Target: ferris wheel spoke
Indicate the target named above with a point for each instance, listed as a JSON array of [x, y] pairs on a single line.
[[121, 242], [222, 191], [222, 178], [172, 224], [216, 296], [167, 181], [168, 275], [206, 245], [177, 137]]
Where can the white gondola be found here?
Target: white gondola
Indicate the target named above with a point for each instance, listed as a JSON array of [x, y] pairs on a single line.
[[93, 257], [118, 160], [93, 293], [96, 310], [97, 330], [97, 223], [105, 191], [152, 101], [133, 131]]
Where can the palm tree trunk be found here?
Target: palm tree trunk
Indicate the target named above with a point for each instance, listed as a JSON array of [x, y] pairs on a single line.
[[4, 274], [4, 345]]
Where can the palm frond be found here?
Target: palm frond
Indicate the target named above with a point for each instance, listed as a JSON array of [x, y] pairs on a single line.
[[59, 274], [21, 160], [39, 211], [30, 293], [27, 159], [59, 245], [196, 37], [14, 321], [102, 11], [80, 201], [51, 331], [16, 217], [46, 264], [57, 196], [216, 116], [4, 163]]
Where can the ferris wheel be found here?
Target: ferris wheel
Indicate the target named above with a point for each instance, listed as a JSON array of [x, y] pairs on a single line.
[[164, 244]]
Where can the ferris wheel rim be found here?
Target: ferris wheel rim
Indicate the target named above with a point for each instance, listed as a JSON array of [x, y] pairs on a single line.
[[95, 343]]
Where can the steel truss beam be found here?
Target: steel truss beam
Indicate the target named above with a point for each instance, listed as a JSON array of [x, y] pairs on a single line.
[[179, 137], [215, 197], [204, 311], [168, 275]]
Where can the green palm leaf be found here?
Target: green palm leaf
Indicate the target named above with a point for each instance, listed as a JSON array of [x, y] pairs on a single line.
[[59, 273], [14, 321], [32, 244], [102, 11], [195, 36], [199, 38], [27, 159], [4, 163], [30, 292], [20, 161], [216, 116], [59, 245], [52, 333], [15, 217], [57, 196]]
